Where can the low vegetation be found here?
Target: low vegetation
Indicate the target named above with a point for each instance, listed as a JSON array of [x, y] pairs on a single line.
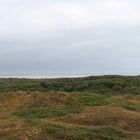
[[46, 112], [92, 108], [80, 133], [97, 84]]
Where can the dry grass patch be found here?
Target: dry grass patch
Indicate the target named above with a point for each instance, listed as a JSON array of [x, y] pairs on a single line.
[[107, 116]]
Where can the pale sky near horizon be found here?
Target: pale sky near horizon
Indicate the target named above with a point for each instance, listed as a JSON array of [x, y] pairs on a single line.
[[69, 37]]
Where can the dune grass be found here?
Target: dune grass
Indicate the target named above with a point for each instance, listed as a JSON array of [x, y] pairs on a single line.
[[46, 112], [91, 108], [60, 132]]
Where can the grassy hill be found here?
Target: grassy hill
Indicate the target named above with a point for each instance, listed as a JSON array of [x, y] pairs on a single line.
[[90, 108]]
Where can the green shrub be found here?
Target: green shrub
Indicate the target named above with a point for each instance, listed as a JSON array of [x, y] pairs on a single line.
[[46, 112], [59, 132], [94, 100], [131, 106]]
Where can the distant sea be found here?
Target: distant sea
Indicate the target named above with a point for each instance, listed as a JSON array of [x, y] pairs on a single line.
[[44, 76], [60, 76]]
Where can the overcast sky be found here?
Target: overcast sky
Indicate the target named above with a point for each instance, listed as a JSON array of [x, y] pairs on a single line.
[[69, 37]]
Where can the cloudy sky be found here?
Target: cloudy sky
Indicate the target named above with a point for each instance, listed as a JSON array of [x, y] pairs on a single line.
[[69, 37]]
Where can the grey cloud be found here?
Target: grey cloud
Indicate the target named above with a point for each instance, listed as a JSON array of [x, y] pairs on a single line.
[[77, 37]]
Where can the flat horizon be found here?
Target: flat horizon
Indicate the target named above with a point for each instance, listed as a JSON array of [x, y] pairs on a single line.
[[62, 76]]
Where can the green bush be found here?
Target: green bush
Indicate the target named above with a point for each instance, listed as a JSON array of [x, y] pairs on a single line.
[[46, 112], [94, 100], [59, 132], [131, 106]]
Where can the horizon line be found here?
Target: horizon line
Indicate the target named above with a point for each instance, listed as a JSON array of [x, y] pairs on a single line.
[[62, 76]]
